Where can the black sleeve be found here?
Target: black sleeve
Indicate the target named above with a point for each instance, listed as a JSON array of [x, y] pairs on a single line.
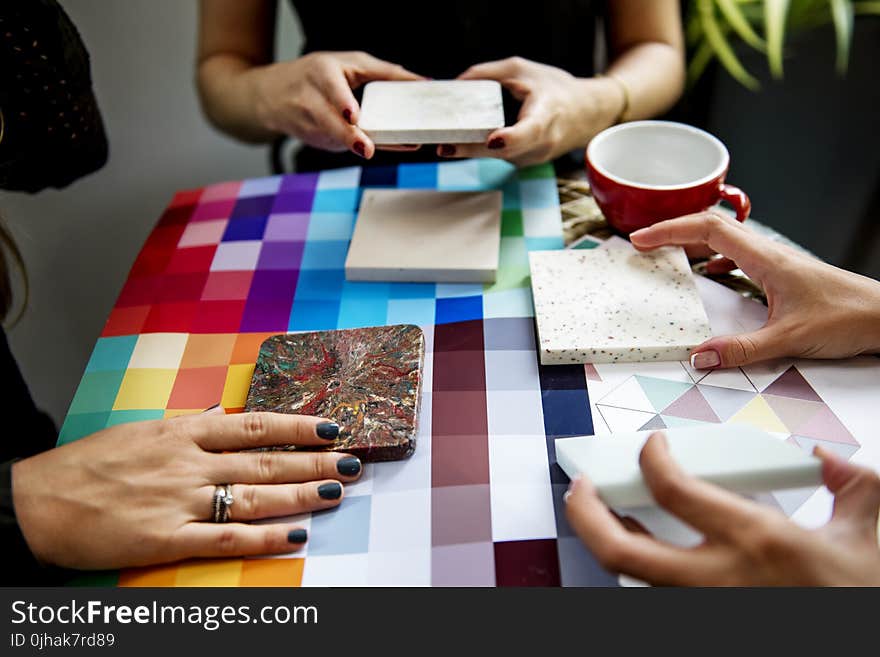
[[20, 566]]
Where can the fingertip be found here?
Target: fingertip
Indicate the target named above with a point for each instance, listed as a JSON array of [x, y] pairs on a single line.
[[446, 150], [496, 142], [350, 115], [705, 358], [327, 429], [297, 537], [656, 441]]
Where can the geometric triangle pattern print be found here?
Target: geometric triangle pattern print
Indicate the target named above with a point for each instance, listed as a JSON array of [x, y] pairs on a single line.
[[842, 450], [824, 425], [792, 384], [628, 394], [620, 420], [725, 402], [653, 424], [793, 412], [787, 407], [662, 392], [758, 414], [692, 406]]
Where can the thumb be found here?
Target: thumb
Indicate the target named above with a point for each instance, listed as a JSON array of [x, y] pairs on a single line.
[[856, 489], [744, 349]]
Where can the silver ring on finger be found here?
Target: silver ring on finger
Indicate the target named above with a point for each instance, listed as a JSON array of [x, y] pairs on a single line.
[[222, 502]]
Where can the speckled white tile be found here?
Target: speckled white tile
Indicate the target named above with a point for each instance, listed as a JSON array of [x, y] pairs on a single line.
[[431, 112], [616, 305]]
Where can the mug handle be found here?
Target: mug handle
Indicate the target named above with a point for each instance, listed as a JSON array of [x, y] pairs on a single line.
[[738, 199]]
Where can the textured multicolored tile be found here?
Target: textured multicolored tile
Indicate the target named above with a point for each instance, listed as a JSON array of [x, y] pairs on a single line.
[[367, 380]]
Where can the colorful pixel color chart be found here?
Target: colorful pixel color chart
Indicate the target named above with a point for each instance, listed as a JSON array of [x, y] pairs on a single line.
[[230, 264], [480, 501]]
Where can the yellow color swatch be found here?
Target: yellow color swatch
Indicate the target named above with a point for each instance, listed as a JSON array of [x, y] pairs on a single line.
[[758, 414], [238, 382], [144, 389]]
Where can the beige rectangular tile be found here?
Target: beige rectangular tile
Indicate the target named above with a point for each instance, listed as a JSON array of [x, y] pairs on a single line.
[[426, 236]]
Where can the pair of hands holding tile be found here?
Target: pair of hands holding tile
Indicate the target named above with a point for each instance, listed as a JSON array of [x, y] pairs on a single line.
[[311, 98], [816, 311]]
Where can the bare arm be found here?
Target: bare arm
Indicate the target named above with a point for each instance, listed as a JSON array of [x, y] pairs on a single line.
[[647, 49], [235, 36]]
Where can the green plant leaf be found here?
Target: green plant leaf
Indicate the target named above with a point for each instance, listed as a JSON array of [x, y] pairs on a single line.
[[721, 47], [842, 13], [775, 12], [867, 7], [699, 61], [737, 20]]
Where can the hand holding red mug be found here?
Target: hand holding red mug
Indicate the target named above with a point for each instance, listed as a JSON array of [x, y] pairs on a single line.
[[643, 172], [815, 310]]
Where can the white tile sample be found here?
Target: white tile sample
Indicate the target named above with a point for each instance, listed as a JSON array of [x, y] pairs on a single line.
[[616, 305], [405, 235], [741, 459], [431, 112]]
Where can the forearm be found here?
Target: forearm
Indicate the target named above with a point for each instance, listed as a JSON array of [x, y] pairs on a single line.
[[868, 314], [653, 74], [226, 91]]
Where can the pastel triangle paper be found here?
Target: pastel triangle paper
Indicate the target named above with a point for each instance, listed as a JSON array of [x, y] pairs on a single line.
[[792, 499], [623, 419], [792, 384], [843, 450], [824, 425], [693, 406], [628, 394], [725, 401], [662, 392], [793, 412], [729, 378], [759, 414], [656, 422], [672, 421]]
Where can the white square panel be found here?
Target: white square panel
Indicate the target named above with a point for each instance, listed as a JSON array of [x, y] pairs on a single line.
[[431, 112]]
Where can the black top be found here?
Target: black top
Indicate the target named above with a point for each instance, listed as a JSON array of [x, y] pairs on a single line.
[[442, 40], [28, 431]]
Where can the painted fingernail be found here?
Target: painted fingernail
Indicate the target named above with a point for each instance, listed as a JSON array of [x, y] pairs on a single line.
[[360, 149], [298, 536], [496, 143], [346, 114], [327, 430], [705, 359], [331, 491], [349, 466], [447, 150], [566, 495]]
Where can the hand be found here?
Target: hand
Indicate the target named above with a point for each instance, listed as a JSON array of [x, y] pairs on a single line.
[[559, 112], [745, 544], [311, 98], [142, 493], [815, 310]]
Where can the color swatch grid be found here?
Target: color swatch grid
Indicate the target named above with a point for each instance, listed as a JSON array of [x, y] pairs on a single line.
[[479, 503]]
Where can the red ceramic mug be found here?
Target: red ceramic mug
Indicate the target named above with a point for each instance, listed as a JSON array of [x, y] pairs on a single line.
[[643, 172]]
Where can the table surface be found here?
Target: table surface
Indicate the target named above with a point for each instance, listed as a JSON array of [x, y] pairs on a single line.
[[479, 503]]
